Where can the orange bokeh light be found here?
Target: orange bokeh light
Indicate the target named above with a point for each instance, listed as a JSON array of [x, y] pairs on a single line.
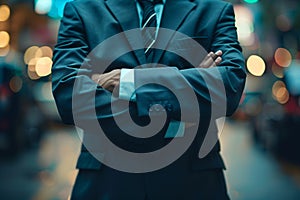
[[4, 13], [4, 39], [283, 57]]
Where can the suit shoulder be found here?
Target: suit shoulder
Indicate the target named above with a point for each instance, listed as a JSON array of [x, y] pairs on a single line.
[[213, 6], [213, 3], [86, 2]]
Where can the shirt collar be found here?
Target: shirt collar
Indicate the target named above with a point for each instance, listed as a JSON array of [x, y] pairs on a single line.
[[164, 1]]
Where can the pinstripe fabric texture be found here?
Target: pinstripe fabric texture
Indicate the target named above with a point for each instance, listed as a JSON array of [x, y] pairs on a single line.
[[149, 20]]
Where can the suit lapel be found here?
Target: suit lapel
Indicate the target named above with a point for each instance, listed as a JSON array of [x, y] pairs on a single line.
[[174, 14], [126, 13]]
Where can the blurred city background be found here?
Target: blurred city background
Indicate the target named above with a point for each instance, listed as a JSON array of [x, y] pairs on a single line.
[[260, 143]]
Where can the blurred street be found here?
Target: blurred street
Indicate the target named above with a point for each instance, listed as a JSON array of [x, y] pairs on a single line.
[[48, 171], [253, 173]]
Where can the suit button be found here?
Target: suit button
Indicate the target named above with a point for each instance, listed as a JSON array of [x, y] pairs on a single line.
[[157, 107]]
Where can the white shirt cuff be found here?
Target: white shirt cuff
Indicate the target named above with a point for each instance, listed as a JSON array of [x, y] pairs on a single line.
[[127, 89]]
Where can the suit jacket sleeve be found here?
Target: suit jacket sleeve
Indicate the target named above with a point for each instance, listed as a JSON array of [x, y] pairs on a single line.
[[69, 55], [231, 69]]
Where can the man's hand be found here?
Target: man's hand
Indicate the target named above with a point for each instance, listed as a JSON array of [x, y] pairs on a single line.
[[212, 59], [109, 80]]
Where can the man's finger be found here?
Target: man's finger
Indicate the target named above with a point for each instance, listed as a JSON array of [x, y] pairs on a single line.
[[108, 80], [207, 61], [218, 60], [208, 57], [214, 56], [217, 54], [95, 77]]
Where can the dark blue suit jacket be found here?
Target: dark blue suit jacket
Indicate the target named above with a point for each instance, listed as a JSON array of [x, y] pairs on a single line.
[[87, 23]]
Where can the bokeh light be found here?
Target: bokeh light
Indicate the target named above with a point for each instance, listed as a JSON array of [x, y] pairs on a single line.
[[4, 13], [280, 92], [46, 51], [283, 57], [292, 78], [16, 84], [4, 51], [282, 96], [32, 75], [276, 86], [4, 39], [43, 66], [39, 61], [244, 24], [32, 64], [277, 71], [251, 1], [283, 23], [31, 53], [256, 65], [43, 6]]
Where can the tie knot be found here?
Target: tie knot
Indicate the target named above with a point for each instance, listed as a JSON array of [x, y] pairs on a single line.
[[145, 3]]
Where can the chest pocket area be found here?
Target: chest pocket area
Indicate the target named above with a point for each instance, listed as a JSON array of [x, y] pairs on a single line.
[[189, 51], [192, 43]]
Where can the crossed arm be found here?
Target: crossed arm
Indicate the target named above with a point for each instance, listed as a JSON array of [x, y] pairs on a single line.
[[111, 80]]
